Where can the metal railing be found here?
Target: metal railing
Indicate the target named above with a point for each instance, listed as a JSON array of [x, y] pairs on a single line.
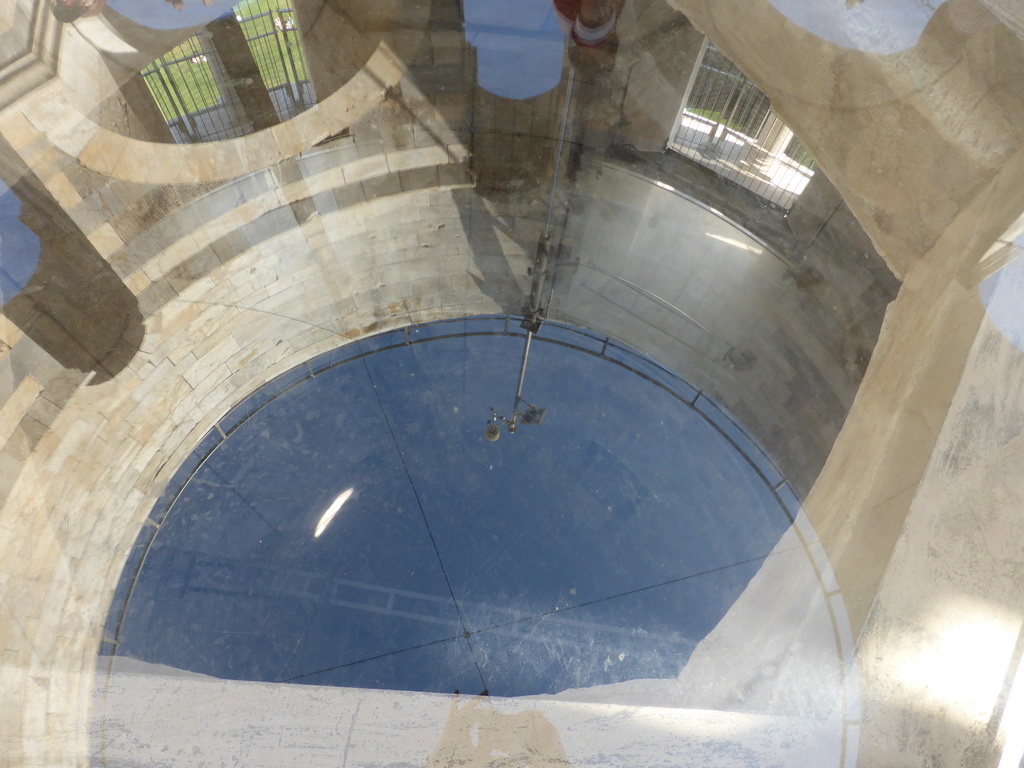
[[196, 95], [727, 125], [272, 32], [186, 84]]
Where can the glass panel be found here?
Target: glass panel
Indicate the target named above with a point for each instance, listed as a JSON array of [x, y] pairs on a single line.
[[395, 383]]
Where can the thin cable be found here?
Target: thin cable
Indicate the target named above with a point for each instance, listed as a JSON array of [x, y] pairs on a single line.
[[543, 615], [535, 616], [558, 153], [627, 593], [369, 658], [437, 552], [538, 615]]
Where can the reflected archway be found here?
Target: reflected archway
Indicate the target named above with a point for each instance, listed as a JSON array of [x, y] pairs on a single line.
[[60, 292]]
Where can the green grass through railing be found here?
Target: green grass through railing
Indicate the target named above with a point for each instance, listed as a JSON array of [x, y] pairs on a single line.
[[182, 81]]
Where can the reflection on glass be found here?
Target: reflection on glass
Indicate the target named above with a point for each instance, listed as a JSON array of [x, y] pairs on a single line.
[[552, 564], [643, 581], [876, 26], [580, 555], [332, 510], [476, 734], [519, 46], [185, 89], [210, 87], [1003, 296], [271, 31], [59, 291], [727, 124], [19, 247]]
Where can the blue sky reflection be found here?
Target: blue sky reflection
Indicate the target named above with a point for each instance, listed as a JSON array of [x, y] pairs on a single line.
[[598, 547]]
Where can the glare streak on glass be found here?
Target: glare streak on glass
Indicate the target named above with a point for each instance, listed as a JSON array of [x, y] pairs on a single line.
[[734, 242], [332, 510]]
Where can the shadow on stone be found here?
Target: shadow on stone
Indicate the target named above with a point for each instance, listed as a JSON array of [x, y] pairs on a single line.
[[74, 306]]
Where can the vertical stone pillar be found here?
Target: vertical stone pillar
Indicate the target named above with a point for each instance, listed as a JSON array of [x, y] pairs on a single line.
[[338, 39], [243, 73], [656, 85], [144, 119]]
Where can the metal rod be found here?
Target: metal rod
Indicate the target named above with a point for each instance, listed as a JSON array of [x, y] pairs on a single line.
[[522, 371], [558, 153]]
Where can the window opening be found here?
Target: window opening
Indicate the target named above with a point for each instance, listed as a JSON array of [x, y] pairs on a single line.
[[727, 125], [272, 32], [197, 97]]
